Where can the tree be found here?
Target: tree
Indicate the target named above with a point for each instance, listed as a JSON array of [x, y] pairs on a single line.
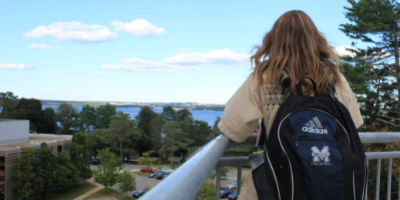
[[47, 162], [127, 182], [49, 116], [182, 114], [144, 118], [156, 125], [122, 130], [67, 116], [201, 131], [31, 109], [207, 191], [26, 174], [8, 102], [107, 170], [168, 114], [144, 160], [174, 139], [104, 114], [375, 22], [67, 173], [80, 156], [88, 118], [215, 130]]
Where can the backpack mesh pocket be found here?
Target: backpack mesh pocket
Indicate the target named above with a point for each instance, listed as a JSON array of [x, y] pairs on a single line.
[[264, 182]]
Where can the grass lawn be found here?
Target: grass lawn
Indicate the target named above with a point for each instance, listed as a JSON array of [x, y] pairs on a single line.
[[145, 174], [70, 192], [110, 193]]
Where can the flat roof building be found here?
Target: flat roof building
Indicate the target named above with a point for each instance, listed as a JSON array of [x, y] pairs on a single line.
[[14, 135]]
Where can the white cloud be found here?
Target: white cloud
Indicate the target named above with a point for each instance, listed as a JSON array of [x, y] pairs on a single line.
[[223, 57], [138, 27], [343, 52], [134, 64], [14, 66], [73, 31], [43, 47]]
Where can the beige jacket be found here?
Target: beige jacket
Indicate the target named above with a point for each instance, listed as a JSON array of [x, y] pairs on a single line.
[[248, 105]]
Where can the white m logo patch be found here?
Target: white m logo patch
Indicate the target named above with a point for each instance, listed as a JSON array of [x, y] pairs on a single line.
[[320, 157]]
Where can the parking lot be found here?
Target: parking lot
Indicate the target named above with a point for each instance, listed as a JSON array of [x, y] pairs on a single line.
[[142, 181]]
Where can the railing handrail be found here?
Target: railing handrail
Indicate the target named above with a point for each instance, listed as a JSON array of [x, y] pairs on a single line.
[[185, 182]]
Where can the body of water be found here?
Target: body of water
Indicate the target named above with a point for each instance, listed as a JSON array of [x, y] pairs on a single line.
[[204, 115]]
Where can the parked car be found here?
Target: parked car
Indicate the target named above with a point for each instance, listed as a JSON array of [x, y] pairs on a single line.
[[140, 192], [224, 193], [147, 169], [164, 176], [95, 162], [233, 196], [167, 169], [232, 186], [159, 176], [153, 174]]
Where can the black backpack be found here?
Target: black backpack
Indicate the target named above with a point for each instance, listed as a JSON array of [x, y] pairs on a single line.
[[313, 152]]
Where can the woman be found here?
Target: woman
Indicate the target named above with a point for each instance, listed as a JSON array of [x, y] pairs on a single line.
[[294, 47]]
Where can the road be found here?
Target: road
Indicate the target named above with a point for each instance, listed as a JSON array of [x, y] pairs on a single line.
[[141, 181]]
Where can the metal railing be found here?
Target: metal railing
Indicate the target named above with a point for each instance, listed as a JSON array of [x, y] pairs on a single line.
[[186, 181]]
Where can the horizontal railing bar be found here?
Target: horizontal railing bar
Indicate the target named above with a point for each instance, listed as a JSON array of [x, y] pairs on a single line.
[[382, 155], [366, 138], [234, 161], [184, 183]]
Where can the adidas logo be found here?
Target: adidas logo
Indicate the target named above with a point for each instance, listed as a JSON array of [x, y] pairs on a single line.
[[314, 126]]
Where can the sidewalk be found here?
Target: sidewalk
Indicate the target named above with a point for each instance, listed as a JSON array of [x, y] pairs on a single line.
[[99, 187]]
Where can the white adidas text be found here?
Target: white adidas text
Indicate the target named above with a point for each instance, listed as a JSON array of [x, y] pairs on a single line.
[[314, 130]]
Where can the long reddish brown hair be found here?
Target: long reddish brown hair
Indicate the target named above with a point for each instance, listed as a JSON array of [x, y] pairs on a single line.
[[294, 45]]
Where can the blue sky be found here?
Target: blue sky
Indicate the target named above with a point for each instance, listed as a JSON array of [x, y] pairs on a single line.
[[141, 51]]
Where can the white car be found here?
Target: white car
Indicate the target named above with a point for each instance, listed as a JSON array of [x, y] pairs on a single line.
[[232, 186], [167, 169]]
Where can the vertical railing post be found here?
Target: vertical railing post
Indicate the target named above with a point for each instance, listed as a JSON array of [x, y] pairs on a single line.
[[196, 197], [366, 182], [389, 184], [217, 194], [378, 178], [239, 180]]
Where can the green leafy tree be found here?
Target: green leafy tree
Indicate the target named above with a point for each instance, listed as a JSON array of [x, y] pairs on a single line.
[[215, 130], [26, 175], [50, 121], [8, 102], [31, 109], [375, 23], [107, 171], [168, 114], [127, 182], [207, 191], [144, 118], [67, 173], [144, 160], [67, 116], [80, 156], [156, 125], [122, 131], [174, 139], [201, 131], [224, 172], [104, 114], [182, 114], [47, 162], [88, 118]]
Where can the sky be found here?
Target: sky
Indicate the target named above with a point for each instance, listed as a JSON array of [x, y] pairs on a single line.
[[142, 51]]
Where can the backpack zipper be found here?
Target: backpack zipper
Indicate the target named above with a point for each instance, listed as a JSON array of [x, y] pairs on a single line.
[[296, 140]]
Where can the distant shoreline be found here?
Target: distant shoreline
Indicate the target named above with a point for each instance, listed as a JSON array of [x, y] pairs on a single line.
[[190, 106]]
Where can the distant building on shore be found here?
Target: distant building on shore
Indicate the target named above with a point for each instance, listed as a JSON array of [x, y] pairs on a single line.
[[14, 135]]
